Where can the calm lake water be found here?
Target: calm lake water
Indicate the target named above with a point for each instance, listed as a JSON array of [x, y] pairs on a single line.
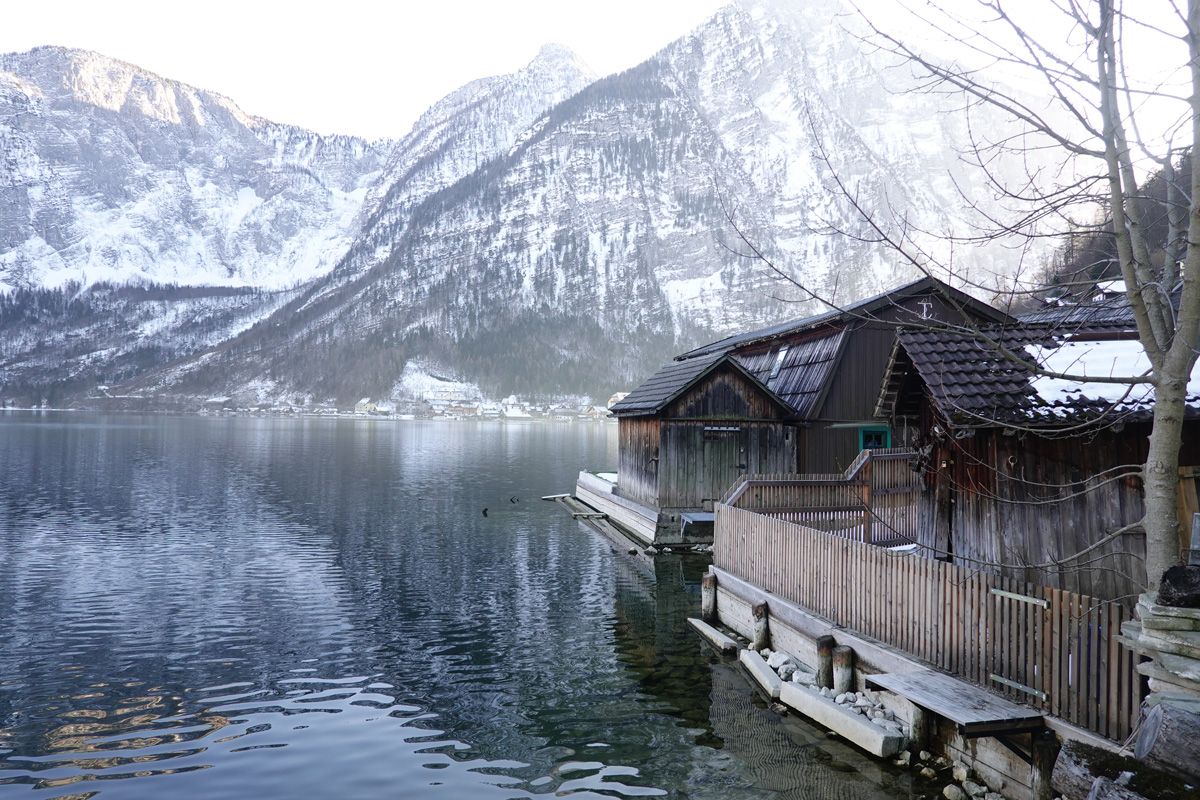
[[262, 608]]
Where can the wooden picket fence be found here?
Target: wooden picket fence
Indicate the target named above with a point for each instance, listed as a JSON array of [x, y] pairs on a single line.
[[1054, 650], [874, 500]]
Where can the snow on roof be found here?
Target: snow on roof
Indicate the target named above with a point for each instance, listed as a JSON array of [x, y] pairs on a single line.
[[1095, 359]]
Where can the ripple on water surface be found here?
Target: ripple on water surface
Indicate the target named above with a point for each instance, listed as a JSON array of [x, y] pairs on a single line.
[[268, 608]]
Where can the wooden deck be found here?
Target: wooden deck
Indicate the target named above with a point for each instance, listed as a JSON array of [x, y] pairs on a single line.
[[975, 711]]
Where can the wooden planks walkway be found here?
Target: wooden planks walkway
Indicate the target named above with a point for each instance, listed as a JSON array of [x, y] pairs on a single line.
[[975, 711]]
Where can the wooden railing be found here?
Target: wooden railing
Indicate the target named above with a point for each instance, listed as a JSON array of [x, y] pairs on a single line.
[[874, 500], [1051, 649]]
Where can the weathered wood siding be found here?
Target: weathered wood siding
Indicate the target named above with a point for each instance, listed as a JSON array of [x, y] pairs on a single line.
[[1061, 647], [829, 449], [721, 428], [1029, 500], [638, 459], [701, 459], [855, 385], [724, 394]]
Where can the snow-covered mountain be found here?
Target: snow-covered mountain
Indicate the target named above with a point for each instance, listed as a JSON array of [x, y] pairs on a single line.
[[463, 131], [114, 174], [142, 220], [543, 232]]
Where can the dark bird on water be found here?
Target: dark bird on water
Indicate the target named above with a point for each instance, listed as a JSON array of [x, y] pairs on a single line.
[[485, 512], [512, 499]]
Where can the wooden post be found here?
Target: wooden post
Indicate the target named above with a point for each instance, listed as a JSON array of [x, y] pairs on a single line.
[[1045, 747], [843, 669], [919, 729], [866, 499], [762, 637], [708, 597], [825, 645]]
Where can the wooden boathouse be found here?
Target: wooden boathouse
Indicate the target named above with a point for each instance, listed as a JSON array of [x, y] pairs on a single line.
[[794, 397], [688, 432], [926, 588], [828, 367]]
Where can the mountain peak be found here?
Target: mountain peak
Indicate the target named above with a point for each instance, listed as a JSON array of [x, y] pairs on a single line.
[[560, 57]]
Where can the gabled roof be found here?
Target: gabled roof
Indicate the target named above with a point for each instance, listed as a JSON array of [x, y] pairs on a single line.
[[673, 379], [862, 309], [972, 383], [969, 380]]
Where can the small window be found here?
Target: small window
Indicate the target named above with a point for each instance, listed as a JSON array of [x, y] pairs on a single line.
[[874, 438], [783, 351]]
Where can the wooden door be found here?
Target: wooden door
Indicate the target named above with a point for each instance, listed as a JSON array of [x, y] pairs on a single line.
[[724, 454]]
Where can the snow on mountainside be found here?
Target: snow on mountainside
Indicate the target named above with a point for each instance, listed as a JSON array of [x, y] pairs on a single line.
[[114, 174], [464, 130], [535, 232], [597, 246]]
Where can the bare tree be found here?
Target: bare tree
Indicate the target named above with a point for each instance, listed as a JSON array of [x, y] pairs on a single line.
[[1112, 119]]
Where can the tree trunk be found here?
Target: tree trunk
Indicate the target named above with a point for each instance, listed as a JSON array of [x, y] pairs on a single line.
[[1162, 478], [1072, 777]]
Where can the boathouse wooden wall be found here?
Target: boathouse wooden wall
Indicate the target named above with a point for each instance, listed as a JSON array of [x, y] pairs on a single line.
[[1026, 499], [724, 394], [689, 454], [637, 458], [705, 459], [719, 429]]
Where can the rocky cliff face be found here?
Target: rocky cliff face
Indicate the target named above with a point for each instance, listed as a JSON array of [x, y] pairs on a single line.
[[540, 232], [142, 220], [113, 174]]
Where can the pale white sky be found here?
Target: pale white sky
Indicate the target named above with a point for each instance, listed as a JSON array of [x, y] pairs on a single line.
[[371, 67], [363, 67]]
